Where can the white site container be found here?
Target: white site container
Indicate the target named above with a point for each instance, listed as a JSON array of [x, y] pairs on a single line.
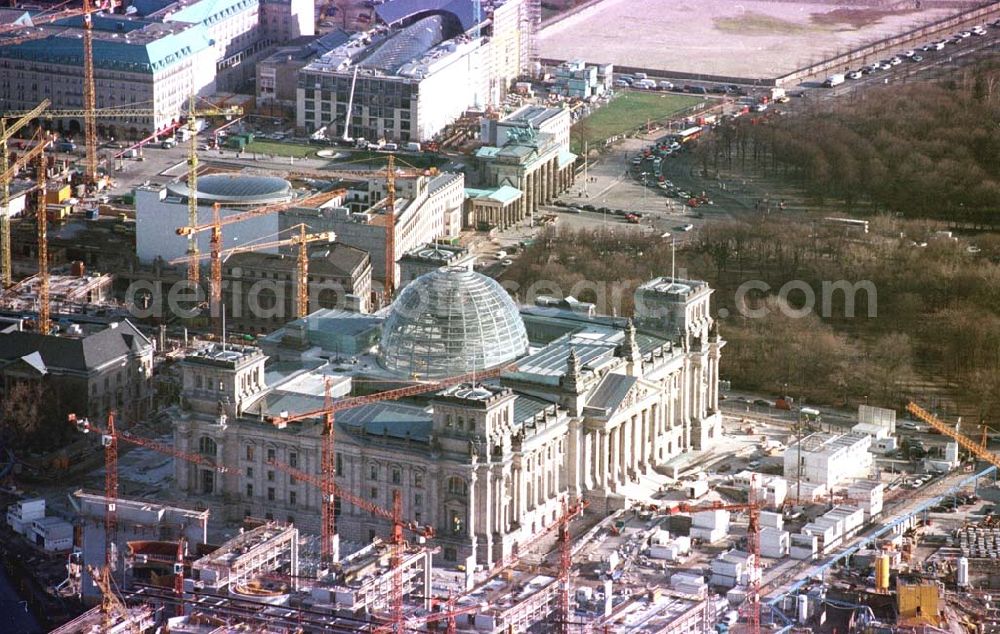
[[771, 520], [711, 519]]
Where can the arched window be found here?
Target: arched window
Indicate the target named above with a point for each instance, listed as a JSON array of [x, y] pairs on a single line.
[[457, 486], [206, 446]]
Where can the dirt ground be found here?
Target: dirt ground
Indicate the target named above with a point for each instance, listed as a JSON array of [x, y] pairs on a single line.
[[723, 37]]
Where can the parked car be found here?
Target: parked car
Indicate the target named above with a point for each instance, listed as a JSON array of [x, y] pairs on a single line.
[[855, 74], [917, 58], [762, 402]]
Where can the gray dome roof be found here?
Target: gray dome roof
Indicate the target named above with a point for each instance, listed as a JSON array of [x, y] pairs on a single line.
[[237, 189], [449, 322]]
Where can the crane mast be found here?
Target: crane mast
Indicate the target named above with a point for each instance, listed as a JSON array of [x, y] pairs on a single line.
[[192, 250], [390, 230], [6, 132], [89, 98], [42, 222]]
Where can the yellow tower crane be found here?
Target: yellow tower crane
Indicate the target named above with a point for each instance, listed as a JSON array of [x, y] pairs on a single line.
[[978, 450], [112, 607], [219, 221], [6, 132]]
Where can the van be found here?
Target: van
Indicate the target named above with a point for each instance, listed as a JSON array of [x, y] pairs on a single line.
[[168, 143], [413, 146], [390, 147], [641, 76], [66, 146]]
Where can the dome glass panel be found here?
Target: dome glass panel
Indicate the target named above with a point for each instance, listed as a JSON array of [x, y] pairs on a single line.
[[449, 322]]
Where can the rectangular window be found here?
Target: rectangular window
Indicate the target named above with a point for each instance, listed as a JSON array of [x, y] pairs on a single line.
[[249, 472], [270, 494], [293, 459], [249, 490], [373, 473], [397, 477], [270, 476], [340, 465], [418, 479], [374, 493], [418, 500], [270, 455], [249, 452], [292, 497]]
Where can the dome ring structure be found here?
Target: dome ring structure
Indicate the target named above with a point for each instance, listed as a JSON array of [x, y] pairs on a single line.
[[451, 321]]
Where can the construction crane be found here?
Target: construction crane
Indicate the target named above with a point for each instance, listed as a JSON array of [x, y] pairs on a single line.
[[301, 241], [391, 174], [42, 224], [192, 183], [111, 605], [6, 132], [37, 153], [89, 99], [570, 512], [750, 610], [179, 576], [110, 436], [977, 449], [219, 221]]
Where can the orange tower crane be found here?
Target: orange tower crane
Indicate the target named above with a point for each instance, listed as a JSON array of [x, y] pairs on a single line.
[[327, 415], [302, 240], [571, 510], [219, 221], [179, 576], [110, 435]]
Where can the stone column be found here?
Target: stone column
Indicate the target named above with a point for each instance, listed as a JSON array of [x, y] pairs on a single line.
[[473, 542], [553, 179], [616, 453], [529, 194], [626, 440], [604, 449], [588, 459], [571, 457]]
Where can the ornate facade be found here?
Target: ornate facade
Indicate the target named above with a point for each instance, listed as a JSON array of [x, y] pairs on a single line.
[[596, 404]]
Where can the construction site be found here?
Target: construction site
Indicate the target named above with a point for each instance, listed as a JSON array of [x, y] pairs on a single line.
[[429, 454]]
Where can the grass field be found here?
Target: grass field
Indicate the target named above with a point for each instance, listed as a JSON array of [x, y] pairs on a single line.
[[281, 149], [627, 112], [758, 23]]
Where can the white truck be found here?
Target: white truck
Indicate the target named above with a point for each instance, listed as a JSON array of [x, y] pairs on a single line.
[[834, 80], [778, 95]]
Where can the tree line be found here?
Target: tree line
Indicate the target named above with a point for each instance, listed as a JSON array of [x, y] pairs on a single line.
[[924, 150], [934, 316]]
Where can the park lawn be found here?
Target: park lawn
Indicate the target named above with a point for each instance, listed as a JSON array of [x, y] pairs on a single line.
[[628, 111], [276, 148]]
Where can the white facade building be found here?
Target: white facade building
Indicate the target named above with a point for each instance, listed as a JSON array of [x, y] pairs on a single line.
[[162, 209], [428, 208], [829, 459], [594, 404]]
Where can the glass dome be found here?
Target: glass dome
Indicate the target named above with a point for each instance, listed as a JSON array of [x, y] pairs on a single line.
[[451, 321]]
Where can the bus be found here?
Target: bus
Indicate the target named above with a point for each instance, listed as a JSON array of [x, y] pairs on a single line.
[[688, 135], [850, 224]]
